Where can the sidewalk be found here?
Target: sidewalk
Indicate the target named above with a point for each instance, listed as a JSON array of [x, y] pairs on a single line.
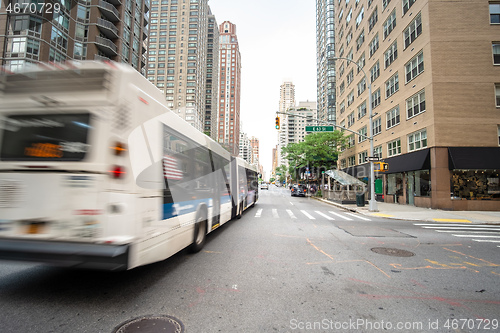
[[412, 213]]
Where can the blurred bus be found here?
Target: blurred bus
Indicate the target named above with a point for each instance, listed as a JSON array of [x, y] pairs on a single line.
[[96, 172]]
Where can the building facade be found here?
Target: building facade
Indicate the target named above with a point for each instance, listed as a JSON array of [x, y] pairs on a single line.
[[325, 51], [287, 101], [307, 115], [178, 55], [212, 86], [434, 71], [74, 30], [229, 88]]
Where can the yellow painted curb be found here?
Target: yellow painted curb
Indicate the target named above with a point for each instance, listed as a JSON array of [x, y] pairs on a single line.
[[382, 215], [452, 220]]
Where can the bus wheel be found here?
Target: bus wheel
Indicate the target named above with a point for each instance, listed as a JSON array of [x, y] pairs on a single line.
[[200, 235]]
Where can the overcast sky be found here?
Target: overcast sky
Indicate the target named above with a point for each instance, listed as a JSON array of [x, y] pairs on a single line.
[[277, 40]]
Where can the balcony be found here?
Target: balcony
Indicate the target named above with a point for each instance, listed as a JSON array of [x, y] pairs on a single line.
[[106, 46], [107, 28], [115, 2], [100, 58], [109, 11], [145, 33]]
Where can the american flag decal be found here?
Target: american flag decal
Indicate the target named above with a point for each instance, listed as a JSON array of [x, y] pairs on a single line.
[[170, 168]]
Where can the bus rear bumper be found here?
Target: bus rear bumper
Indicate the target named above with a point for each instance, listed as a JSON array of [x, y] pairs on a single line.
[[66, 254]]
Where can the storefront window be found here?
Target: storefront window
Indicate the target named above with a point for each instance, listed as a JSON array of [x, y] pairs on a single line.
[[422, 183], [475, 185], [395, 184]]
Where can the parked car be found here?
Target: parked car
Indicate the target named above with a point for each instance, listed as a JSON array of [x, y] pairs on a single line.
[[264, 186], [298, 190]]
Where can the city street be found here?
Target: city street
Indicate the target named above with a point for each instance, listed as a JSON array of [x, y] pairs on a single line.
[[290, 264]]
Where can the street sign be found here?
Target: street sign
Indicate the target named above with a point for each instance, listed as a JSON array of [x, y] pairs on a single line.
[[319, 128], [373, 158]]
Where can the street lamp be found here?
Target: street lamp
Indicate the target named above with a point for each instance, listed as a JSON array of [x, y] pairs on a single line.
[[372, 202]]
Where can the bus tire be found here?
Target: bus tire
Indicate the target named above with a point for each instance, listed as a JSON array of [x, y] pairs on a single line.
[[199, 237]]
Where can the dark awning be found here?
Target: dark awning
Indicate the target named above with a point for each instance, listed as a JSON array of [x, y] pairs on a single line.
[[417, 160], [474, 158]]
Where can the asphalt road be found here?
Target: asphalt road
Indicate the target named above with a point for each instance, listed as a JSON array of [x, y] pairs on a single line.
[[290, 264]]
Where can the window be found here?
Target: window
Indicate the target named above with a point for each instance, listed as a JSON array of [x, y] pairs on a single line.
[[407, 4], [350, 77], [350, 119], [417, 140], [351, 160], [498, 135], [497, 94], [415, 104], [373, 45], [362, 110], [348, 37], [390, 24], [363, 133], [415, 67], [360, 40], [377, 126], [360, 17], [394, 148], [363, 157], [361, 62], [495, 13], [376, 98], [372, 20], [496, 53], [361, 86], [348, 17], [351, 141], [375, 72], [350, 98], [385, 3], [413, 31], [393, 117], [391, 54], [377, 151], [391, 85]]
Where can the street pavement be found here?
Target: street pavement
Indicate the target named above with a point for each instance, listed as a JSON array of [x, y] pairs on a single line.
[[412, 213]]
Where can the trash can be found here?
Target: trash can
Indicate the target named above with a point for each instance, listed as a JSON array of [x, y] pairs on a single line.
[[360, 199]]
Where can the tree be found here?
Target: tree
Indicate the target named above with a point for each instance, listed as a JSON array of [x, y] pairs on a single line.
[[318, 151]]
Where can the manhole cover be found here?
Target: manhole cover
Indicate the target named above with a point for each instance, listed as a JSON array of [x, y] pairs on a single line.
[[393, 252], [152, 324]]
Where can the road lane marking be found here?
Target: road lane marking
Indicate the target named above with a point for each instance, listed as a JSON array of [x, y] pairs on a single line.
[[308, 215], [479, 236], [259, 212], [463, 228], [487, 241], [342, 217], [275, 213], [358, 217], [324, 215], [291, 214], [452, 220]]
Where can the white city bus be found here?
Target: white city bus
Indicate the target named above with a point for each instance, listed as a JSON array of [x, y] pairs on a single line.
[[96, 172]]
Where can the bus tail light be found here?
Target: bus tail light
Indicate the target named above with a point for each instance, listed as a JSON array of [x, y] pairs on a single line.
[[117, 172]]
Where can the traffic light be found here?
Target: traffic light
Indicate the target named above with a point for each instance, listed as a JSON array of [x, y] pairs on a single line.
[[380, 166], [277, 122]]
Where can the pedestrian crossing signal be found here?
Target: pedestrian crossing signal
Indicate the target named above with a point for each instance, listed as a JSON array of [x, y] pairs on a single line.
[[277, 122], [380, 167]]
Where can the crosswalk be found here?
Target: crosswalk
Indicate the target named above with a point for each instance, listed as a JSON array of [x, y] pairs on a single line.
[[311, 215], [482, 233]]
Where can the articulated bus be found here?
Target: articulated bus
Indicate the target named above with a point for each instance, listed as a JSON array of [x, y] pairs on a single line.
[[96, 172]]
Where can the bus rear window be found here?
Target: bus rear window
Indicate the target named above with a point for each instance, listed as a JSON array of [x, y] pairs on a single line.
[[45, 137]]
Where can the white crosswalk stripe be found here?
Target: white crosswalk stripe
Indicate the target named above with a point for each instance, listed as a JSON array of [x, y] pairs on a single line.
[[275, 213], [259, 212], [482, 233], [342, 217], [324, 215], [290, 213], [358, 217], [308, 215]]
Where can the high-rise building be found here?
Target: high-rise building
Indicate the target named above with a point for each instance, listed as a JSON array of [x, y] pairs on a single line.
[[229, 88], [212, 88], [287, 101], [435, 83], [307, 115], [245, 150], [325, 51], [74, 30], [254, 142], [178, 55]]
